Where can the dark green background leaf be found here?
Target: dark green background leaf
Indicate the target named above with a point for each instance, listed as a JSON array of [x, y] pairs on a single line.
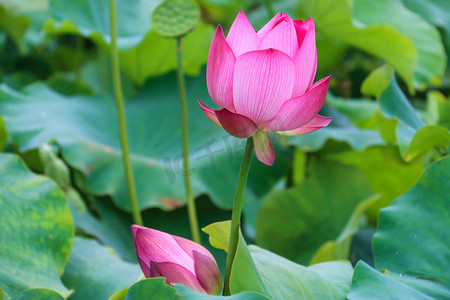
[[324, 201], [91, 19]]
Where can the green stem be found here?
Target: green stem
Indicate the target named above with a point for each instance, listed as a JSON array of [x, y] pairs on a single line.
[[236, 213], [269, 8], [192, 213], [137, 218]]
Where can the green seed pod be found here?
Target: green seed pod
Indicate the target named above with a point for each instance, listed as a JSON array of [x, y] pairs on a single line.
[[175, 18], [54, 167], [75, 199]]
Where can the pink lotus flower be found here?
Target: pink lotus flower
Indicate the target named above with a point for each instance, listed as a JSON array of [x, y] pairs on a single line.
[[263, 81], [177, 259]]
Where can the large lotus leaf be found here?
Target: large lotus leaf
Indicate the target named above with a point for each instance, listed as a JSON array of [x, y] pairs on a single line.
[[357, 138], [152, 288], [413, 136], [90, 18], [426, 38], [340, 248], [287, 280], [156, 54], [188, 294], [333, 19], [38, 294], [426, 138], [397, 120], [359, 111], [389, 175], [157, 289], [112, 228], [324, 201], [438, 109], [93, 272], [436, 12], [394, 104], [412, 236], [96, 74], [86, 129], [256, 269], [143, 52], [377, 81], [36, 229], [342, 128], [369, 284]]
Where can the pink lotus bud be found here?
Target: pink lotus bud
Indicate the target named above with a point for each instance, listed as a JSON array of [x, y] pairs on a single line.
[[177, 259], [263, 81]]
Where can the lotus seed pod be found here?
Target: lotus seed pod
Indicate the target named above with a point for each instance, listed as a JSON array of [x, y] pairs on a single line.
[[174, 18]]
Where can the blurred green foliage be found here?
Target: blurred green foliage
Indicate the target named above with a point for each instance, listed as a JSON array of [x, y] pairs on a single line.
[[320, 202]]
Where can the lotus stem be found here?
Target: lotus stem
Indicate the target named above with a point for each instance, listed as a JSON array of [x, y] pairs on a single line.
[[236, 213], [192, 212], [134, 203]]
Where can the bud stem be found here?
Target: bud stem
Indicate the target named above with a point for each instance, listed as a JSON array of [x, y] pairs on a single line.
[[134, 203], [192, 212], [236, 213]]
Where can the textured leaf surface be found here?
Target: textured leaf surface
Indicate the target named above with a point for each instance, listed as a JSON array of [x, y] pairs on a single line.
[[418, 220], [368, 284], [86, 128], [112, 228], [38, 294], [36, 229], [152, 288], [188, 294], [94, 272]]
